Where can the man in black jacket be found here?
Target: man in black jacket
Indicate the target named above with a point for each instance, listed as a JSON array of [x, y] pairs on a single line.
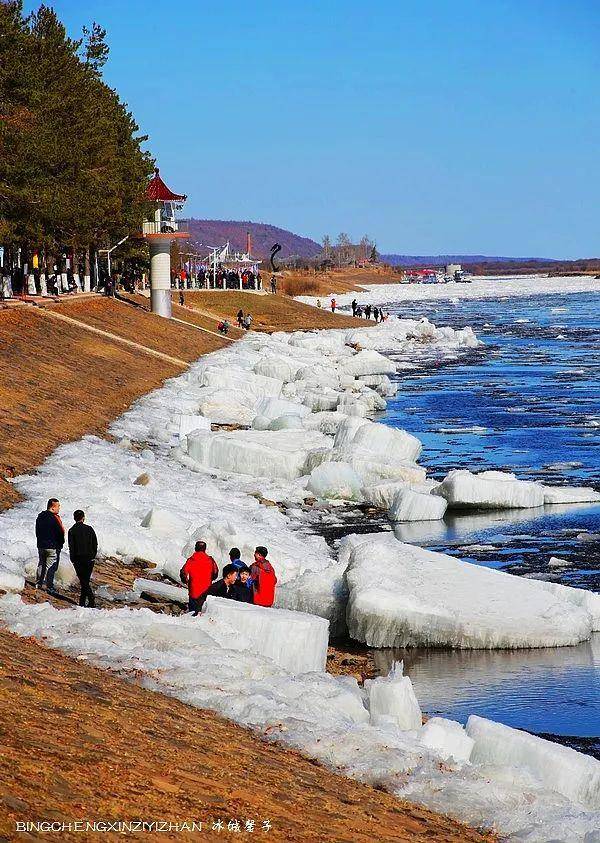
[[225, 586], [83, 547], [50, 536]]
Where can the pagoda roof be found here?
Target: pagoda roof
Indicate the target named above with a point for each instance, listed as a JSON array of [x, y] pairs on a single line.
[[157, 190]]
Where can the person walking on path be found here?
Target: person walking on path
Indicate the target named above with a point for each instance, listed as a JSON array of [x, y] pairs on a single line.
[[333, 305], [240, 318], [181, 298], [199, 571], [263, 578], [50, 536], [225, 586], [83, 547]]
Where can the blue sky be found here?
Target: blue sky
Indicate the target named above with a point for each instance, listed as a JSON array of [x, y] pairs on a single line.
[[435, 126]]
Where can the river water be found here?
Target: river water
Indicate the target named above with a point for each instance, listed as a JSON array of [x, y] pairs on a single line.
[[528, 402]]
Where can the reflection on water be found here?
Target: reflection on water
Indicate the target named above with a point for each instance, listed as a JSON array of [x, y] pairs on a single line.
[[554, 691]]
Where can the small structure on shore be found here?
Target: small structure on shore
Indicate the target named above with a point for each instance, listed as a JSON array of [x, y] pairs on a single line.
[[160, 231]]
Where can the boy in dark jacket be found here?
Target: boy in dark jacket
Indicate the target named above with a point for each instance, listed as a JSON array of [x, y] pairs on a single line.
[[242, 588], [83, 547], [224, 587], [50, 536]]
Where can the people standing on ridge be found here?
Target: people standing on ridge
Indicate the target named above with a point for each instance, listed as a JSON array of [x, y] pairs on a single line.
[[368, 311], [333, 305], [225, 586], [263, 578], [240, 318], [50, 536], [198, 572], [376, 314], [354, 306], [83, 547]]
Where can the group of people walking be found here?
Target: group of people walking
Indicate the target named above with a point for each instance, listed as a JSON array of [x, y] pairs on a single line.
[[254, 583], [379, 315]]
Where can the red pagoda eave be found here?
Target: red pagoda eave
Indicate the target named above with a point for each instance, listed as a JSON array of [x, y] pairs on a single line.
[[157, 191]]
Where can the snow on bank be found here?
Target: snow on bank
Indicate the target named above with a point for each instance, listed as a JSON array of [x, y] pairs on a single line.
[[496, 286], [517, 783]]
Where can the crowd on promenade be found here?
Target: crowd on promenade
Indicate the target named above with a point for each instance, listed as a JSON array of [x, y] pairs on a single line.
[[254, 583]]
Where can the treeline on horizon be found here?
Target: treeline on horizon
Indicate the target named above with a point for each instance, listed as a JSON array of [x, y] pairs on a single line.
[[72, 168]]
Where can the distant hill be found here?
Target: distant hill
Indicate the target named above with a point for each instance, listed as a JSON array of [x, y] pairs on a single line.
[[442, 260], [263, 236]]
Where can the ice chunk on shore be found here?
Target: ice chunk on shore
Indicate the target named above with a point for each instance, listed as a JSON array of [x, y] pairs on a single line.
[[415, 506], [389, 443], [327, 422], [161, 589], [347, 430], [556, 767], [401, 595], [275, 454], [239, 380], [380, 383], [381, 495], [393, 697], [336, 480], [272, 408], [448, 738], [296, 641], [189, 422], [569, 494], [285, 422], [368, 362], [322, 593], [164, 521], [489, 490]]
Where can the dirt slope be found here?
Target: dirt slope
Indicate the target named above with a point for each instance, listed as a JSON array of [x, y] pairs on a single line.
[[59, 382], [269, 312]]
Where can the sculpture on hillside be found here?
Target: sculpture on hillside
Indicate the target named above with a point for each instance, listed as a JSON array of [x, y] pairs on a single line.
[[274, 249]]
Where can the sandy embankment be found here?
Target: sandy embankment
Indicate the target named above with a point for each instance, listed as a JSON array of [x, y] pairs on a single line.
[[82, 744]]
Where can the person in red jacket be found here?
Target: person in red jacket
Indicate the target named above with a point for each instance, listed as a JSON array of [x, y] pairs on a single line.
[[263, 578], [198, 573]]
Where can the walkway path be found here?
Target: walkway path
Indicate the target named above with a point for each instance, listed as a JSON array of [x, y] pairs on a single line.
[[55, 315]]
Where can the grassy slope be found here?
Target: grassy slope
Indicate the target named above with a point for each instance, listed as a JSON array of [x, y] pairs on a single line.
[[270, 313]]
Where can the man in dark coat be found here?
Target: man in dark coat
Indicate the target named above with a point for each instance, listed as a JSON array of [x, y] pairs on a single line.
[[50, 536], [224, 586], [83, 547]]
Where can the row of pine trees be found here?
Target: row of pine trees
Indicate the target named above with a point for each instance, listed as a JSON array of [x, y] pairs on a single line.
[[72, 167]]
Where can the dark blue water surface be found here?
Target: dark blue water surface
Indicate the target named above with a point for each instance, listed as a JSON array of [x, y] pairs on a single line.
[[527, 402]]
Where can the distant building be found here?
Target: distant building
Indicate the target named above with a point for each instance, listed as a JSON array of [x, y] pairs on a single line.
[[452, 268]]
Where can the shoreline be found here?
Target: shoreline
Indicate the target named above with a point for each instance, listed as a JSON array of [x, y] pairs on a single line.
[[161, 471], [488, 286]]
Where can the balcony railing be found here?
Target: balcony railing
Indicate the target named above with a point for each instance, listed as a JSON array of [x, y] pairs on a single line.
[[166, 225]]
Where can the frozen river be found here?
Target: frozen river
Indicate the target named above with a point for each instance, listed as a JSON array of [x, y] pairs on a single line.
[[529, 402]]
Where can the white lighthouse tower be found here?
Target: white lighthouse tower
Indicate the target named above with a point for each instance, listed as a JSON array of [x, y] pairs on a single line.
[[160, 231]]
